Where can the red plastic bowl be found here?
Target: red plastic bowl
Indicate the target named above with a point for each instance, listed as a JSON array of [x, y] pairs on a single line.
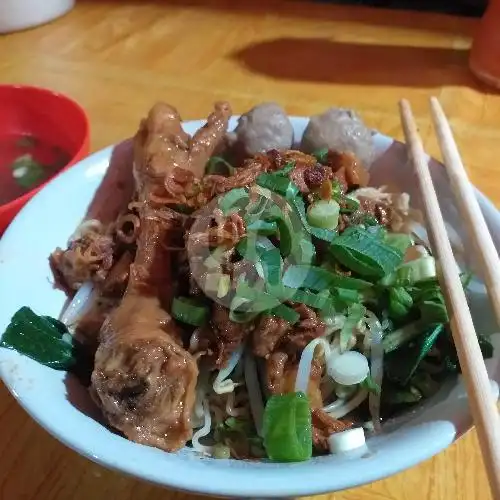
[[49, 116]]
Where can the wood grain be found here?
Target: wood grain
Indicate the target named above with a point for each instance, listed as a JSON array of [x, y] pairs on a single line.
[[118, 57]]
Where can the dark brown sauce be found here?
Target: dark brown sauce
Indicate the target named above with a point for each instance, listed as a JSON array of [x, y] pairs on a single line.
[[26, 162]]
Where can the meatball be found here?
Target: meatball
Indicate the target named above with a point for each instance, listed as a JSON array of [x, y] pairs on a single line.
[[264, 127], [341, 130]]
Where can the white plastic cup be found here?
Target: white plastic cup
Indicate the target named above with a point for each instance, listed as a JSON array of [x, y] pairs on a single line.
[[22, 14]]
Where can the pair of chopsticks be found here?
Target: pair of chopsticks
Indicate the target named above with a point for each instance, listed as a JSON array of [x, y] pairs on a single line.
[[483, 405]]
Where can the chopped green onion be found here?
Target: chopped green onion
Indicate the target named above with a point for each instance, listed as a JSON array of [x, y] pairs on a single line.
[[323, 234], [363, 252], [271, 263], [190, 311], [324, 214], [350, 205], [278, 184], [257, 300], [355, 314], [239, 312], [213, 261], [287, 429], [286, 169], [412, 272], [321, 155], [317, 278], [426, 344], [236, 198], [262, 227], [285, 312]]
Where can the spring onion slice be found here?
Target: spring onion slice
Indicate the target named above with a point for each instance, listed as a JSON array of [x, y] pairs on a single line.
[[189, 311], [263, 227], [323, 234], [278, 184], [317, 278], [236, 198], [285, 312], [287, 429], [324, 214]]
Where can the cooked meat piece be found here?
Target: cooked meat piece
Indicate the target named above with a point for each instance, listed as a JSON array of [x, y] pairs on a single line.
[[117, 278], [167, 157], [308, 328], [143, 379], [348, 170], [89, 257], [323, 426], [228, 334], [275, 369], [227, 232], [90, 324], [281, 374], [340, 130], [380, 210], [264, 127], [269, 331], [273, 333], [116, 188]]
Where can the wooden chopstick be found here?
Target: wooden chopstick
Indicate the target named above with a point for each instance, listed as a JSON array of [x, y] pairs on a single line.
[[468, 206], [474, 372]]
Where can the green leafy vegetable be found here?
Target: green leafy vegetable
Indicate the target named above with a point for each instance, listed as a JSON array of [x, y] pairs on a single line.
[[423, 348], [47, 341], [411, 272], [287, 429], [364, 252], [190, 311], [400, 302]]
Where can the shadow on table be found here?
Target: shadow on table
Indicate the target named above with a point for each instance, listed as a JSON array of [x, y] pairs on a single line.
[[323, 61], [433, 22]]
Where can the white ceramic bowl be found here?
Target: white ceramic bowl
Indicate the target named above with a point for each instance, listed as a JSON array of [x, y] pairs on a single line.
[[22, 14], [64, 409]]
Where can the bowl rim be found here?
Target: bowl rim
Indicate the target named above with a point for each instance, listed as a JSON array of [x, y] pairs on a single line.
[[193, 475], [79, 155]]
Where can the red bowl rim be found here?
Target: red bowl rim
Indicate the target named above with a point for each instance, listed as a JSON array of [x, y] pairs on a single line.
[[82, 150]]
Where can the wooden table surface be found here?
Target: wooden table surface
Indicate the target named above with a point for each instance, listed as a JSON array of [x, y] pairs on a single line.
[[117, 57]]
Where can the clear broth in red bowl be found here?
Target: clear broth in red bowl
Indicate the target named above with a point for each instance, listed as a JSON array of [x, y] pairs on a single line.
[[26, 162]]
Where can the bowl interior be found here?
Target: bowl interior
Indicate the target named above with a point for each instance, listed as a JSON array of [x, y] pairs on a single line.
[[61, 405]]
